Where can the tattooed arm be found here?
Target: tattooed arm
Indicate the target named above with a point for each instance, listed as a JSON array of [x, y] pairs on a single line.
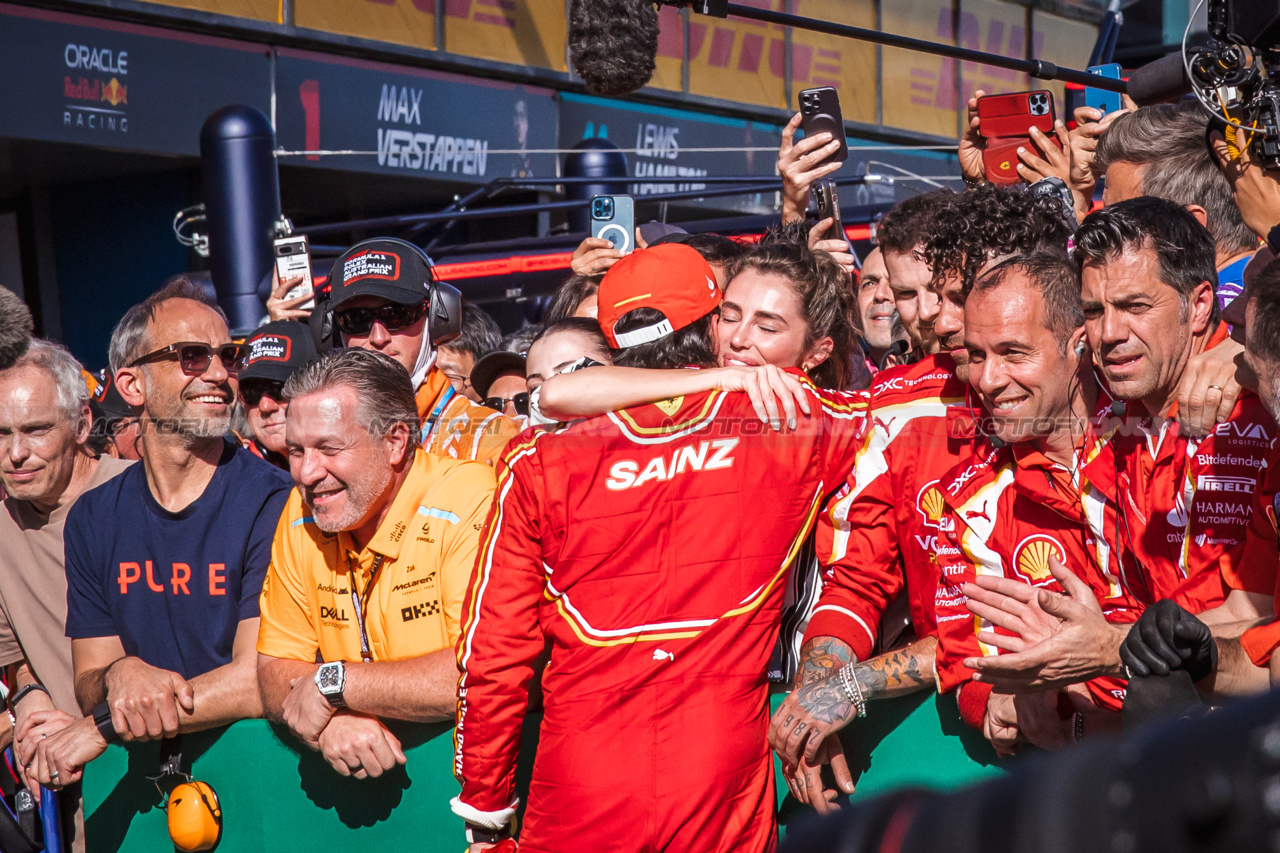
[[820, 658], [819, 705], [803, 730]]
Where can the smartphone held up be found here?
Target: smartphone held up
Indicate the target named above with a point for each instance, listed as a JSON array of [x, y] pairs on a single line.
[[1005, 122], [293, 259], [613, 218]]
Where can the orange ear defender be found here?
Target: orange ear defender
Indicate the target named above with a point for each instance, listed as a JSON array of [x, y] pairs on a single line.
[[195, 816]]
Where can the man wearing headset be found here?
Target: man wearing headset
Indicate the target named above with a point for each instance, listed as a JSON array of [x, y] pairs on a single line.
[[1148, 283], [383, 299]]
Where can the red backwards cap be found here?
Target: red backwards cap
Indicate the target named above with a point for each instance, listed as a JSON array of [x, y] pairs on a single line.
[[671, 278]]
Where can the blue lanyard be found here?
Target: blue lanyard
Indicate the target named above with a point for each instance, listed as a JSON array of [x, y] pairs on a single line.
[[429, 427]]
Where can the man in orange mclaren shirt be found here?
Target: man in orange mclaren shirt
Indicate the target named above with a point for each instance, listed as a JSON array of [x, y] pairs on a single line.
[[381, 299]]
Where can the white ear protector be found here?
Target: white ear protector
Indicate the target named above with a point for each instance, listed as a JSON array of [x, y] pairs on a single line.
[[1080, 348]]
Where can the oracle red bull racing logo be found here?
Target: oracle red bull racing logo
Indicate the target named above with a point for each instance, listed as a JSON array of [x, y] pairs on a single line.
[[94, 103]]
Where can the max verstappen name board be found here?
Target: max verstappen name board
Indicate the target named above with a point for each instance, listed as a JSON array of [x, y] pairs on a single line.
[[94, 82], [415, 123]]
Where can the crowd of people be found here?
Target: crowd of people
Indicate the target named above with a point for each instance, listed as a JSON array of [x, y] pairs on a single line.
[[1023, 453]]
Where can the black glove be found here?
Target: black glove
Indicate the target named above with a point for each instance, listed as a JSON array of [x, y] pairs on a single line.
[[1166, 638]]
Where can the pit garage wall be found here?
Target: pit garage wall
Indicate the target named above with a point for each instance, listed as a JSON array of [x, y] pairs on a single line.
[[86, 84]]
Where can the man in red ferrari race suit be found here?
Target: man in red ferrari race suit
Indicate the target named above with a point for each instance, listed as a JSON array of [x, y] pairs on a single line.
[[1008, 511], [878, 536], [1182, 505], [648, 550], [877, 533], [1188, 502], [1017, 502]]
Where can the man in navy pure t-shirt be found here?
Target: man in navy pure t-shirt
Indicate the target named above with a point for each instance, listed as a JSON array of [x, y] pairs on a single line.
[[165, 562]]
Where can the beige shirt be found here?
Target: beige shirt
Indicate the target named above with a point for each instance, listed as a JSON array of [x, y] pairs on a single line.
[[33, 590]]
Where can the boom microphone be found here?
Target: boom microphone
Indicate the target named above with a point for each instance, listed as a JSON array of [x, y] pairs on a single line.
[[1159, 81], [15, 328], [613, 44]]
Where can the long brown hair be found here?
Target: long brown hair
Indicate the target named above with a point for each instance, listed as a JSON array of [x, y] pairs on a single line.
[[825, 292]]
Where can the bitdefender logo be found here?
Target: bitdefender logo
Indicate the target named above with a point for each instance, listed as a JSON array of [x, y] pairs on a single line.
[[94, 89]]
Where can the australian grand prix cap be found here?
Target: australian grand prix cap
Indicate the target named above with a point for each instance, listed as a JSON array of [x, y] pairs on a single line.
[[277, 350], [390, 269], [671, 278]]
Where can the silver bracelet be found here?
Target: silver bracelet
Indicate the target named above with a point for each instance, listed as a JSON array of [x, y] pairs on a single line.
[[852, 690]]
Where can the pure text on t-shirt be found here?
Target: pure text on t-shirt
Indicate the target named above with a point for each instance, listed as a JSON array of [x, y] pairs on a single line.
[[173, 586]]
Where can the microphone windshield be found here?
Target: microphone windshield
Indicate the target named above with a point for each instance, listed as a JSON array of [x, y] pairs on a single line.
[[1159, 81], [613, 44]]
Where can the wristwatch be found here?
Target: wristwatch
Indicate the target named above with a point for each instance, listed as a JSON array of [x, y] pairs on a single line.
[[477, 834], [331, 678]]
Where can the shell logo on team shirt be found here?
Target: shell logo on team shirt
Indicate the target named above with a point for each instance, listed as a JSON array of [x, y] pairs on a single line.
[[929, 503], [1031, 557]]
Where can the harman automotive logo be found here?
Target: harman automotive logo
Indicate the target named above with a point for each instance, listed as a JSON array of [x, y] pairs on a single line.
[[95, 103]]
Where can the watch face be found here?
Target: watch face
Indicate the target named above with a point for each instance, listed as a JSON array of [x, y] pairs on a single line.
[[330, 678]]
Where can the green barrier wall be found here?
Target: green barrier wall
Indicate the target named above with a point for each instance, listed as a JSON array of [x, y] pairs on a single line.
[[913, 741], [277, 795]]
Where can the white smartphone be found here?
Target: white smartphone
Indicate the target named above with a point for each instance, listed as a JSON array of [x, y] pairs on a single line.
[[293, 257]]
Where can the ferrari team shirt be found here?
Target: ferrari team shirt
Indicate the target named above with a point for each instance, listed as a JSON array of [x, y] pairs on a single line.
[[409, 579]]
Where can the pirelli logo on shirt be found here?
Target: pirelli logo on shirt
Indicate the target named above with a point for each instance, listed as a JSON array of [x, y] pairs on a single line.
[[1241, 485]]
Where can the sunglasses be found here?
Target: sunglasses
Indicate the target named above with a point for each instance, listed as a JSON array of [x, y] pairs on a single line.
[[252, 391], [520, 401], [393, 317], [195, 358]]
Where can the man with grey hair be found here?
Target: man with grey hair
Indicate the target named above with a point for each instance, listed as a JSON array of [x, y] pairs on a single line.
[[165, 562], [1161, 151], [45, 466], [369, 567]]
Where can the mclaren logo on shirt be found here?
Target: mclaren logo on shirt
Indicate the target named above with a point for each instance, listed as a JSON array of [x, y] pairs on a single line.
[[704, 456], [1031, 557], [408, 585]]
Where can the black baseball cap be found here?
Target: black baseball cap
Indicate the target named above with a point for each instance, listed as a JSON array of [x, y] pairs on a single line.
[[656, 233], [278, 350], [493, 365], [390, 269], [106, 402]]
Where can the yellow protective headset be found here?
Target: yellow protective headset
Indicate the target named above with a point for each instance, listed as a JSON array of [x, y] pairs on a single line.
[[195, 816]]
